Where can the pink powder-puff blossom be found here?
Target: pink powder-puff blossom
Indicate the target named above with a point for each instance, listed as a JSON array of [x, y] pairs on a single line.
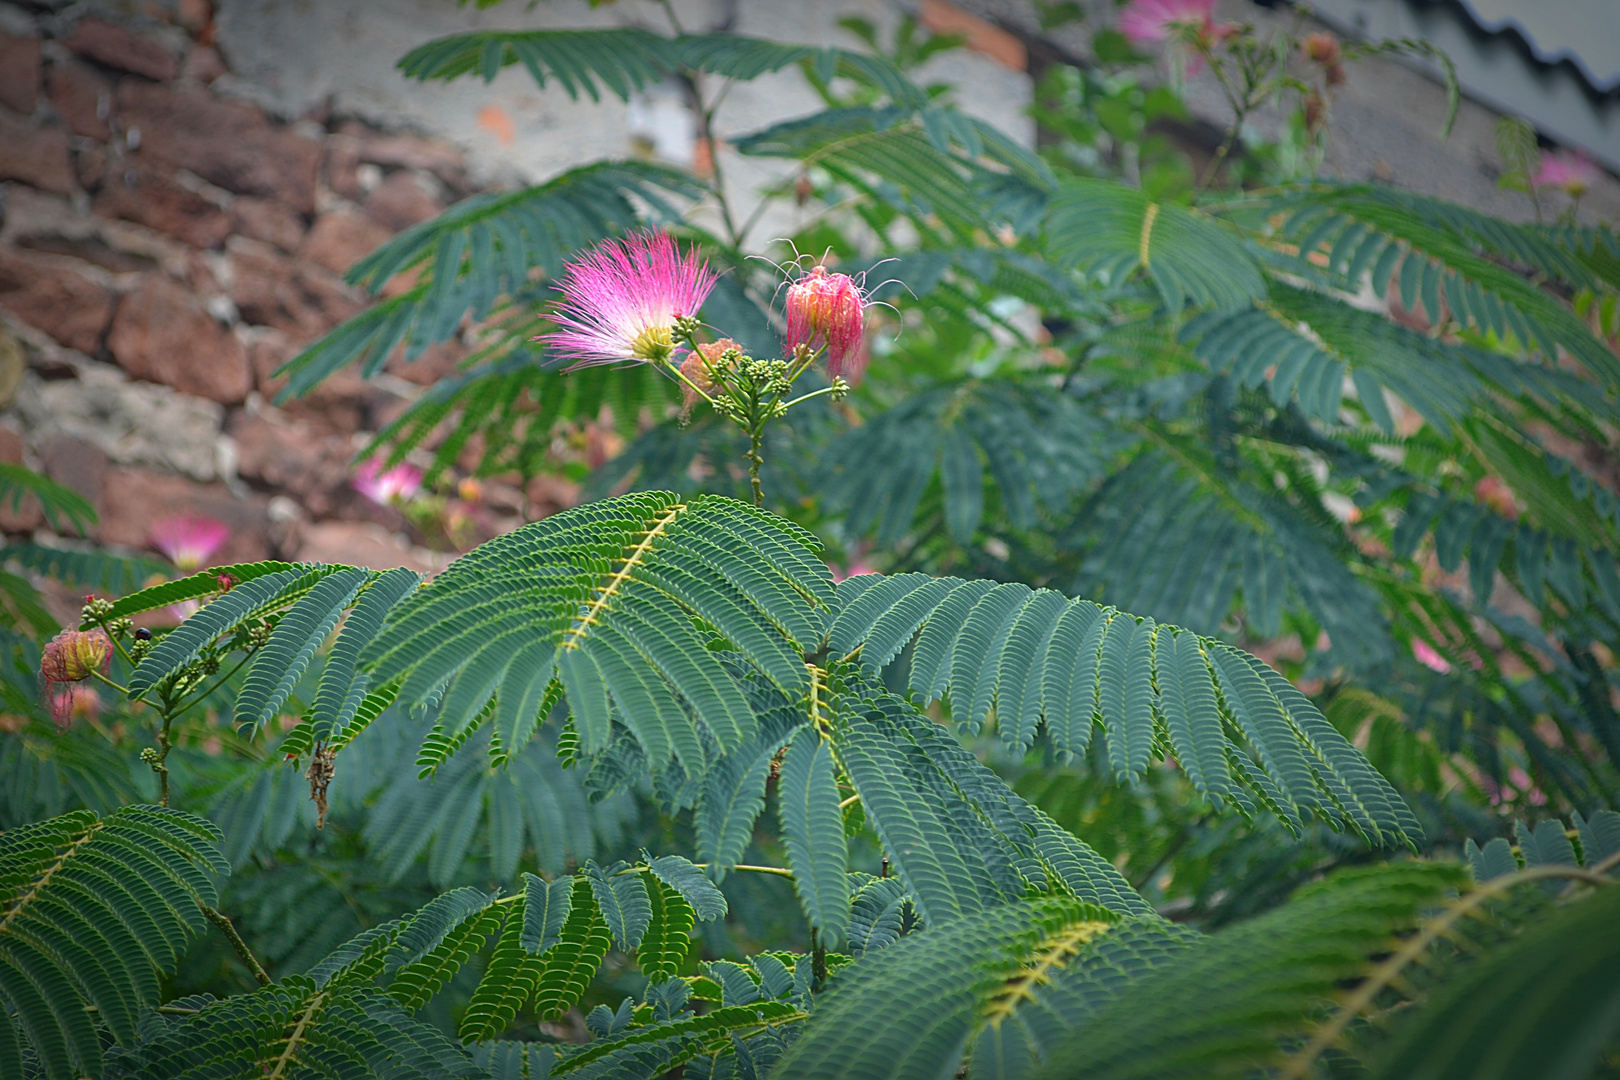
[[856, 568], [387, 488], [1572, 171], [1157, 20], [189, 541], [621, 300], [68, 658], [1429, 658], [829, 310]]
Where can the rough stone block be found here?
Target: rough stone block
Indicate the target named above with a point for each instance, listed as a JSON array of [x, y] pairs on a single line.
[[19, 73], [224, 142], [49, 295], [340, 239], [164, 334], [83, 97], [267, 220], [270, 289], [124, 48], [148, 193], [37, 156]]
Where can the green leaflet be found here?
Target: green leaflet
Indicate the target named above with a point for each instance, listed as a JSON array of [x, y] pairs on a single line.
[[622, 897], [507, 986], [813, 832], [546, 907], [570, 964], [301, 630], [664, 943], [681, 875]]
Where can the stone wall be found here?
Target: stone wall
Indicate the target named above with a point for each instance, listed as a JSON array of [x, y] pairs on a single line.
[[184, 184]]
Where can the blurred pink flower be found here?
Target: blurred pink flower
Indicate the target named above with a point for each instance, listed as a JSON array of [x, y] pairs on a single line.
[[1429, 658], [189, 541], [386, 488], [1156, 20], [829, 310], [856, 568], [621, 300], [1571, 170]]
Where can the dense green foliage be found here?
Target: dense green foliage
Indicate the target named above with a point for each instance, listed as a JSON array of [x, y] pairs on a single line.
[[1026, 803]]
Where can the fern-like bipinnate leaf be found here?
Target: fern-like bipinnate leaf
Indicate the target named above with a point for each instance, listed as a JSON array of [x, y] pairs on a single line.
[[93, 910], [1198, 697], [1221, 1011], [1106, 228]]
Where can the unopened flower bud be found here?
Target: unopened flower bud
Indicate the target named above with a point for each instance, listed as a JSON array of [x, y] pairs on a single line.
[[1322, 49], [259, 635], [828, 310], [150, 755], [1315, 111]]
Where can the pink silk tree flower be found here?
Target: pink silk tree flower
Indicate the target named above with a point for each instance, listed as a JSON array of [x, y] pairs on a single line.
[[1429, 658], [1156, 20], [387, 488], [1571, 170], [621, 300], [188, 541], [68, 658], [829, 310]]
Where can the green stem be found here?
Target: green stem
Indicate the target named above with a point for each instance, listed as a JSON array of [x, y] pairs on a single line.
[[756, 436], [219, 919], [807, 397]]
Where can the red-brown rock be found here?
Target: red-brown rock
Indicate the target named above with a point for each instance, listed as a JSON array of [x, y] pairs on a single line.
[[270, 289], [403, 200], [205, 64], [364, 544], [49, 295], [38, 156], [341, 239], [338, 404], [83, 97], [74, 464], [264, 219], [436, 156], [124, 48], [293, 457], [133, 500], [19, 73], [162, 333], [146, 192], [224, 142], [90, 165]]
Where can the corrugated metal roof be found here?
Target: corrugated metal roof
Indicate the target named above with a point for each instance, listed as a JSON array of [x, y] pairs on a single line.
[[1584, 32]]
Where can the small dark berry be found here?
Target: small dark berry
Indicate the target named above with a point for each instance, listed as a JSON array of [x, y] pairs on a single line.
[[143, 634]]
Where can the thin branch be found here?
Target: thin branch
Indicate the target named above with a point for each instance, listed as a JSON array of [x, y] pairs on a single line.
[[219, 919]]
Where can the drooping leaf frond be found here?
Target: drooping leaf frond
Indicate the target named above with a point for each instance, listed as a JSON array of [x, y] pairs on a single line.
[[1222, 1011], [63, 507], [1239, 729], [92, 911], [1109, 229], [933, 990]]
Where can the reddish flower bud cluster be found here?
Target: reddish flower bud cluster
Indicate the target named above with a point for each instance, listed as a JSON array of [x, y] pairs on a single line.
[[829, 311], [71, 657], [1324, 49]]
